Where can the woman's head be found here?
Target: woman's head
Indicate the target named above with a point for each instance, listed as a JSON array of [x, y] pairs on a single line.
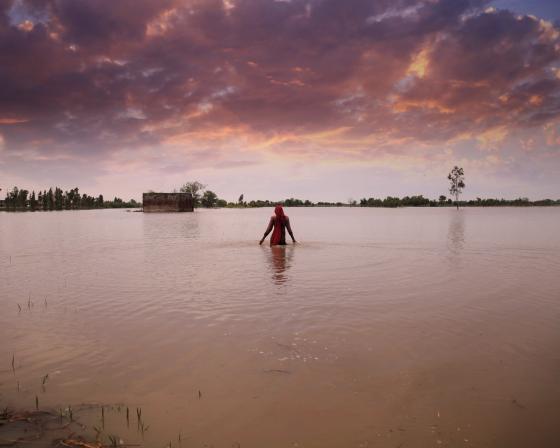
[[279, 211]]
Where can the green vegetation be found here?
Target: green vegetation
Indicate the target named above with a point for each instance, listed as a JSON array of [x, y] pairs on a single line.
[[19, 200], [209, 199], [195, 189], [388, 202], [457, 179]]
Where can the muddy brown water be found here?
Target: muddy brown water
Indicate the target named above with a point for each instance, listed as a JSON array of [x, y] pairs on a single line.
[[383, 328]]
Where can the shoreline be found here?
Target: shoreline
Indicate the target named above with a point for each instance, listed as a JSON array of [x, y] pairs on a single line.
[[139, 209]]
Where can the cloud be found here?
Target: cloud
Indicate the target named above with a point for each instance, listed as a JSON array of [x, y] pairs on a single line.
[[91, 79]]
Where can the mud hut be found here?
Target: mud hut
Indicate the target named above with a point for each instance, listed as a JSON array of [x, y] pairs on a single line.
[[167, 202]]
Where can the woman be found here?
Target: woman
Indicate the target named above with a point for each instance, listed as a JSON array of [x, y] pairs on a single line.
[[280, 222]]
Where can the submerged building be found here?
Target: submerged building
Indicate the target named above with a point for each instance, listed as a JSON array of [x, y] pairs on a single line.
[[167, 202]]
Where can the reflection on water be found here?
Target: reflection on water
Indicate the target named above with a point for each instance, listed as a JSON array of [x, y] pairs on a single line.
[[456, 232], [365, 337], [280, 259]]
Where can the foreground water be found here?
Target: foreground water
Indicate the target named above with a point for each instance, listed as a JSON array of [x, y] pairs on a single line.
[[385, 328]]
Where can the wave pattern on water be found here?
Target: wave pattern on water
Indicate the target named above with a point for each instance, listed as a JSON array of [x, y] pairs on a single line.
[[394, 315]]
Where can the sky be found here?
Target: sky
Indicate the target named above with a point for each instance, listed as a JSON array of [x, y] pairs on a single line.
[[315, 99]]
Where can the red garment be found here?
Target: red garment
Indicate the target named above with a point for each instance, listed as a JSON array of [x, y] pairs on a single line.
[[279, 232]]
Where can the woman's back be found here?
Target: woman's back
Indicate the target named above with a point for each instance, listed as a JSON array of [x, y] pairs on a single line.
[[279, 222], [279, 233]]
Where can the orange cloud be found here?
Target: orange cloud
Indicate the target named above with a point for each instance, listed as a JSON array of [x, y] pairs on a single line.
[[8, 121]]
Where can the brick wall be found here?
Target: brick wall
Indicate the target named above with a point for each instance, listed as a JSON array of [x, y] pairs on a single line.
[[167, 202]]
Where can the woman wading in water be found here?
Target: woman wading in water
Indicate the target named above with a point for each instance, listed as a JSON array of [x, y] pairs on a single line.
[[280, 222]]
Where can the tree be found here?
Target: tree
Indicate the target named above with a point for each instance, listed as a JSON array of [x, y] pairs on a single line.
[[442, 199], [209, 199], [240, 200], [50, 199], [194, 188], [21, 199], [12, 198], [33, 201], [457, 179], [58, 199]]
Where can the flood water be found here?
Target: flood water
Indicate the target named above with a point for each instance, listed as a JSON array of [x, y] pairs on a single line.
[[382, 328]]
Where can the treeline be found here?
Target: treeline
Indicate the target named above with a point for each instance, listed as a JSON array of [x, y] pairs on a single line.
[[394, 202], [57, 199], [443, 201], [202, 197]]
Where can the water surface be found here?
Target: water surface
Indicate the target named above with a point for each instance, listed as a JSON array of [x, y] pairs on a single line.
[[406, 327]]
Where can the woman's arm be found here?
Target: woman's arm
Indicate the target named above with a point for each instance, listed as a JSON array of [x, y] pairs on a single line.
[[268, 229], [289, 227]]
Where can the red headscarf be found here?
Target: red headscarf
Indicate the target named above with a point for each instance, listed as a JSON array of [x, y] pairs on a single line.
[[279, 212], [276, 237]]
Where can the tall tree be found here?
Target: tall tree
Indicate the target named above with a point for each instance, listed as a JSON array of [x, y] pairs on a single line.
[[50, 199], [58, 199], [45, 200], [76, 203], [21, 200], [33, 201], [195, 189], [12, 198], [209, 199], [457, 179]]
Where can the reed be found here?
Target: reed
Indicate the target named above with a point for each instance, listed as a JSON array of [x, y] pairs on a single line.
[[102, 417], [36, 402], [113, 440], [127, 418], [45, 378], [14, 363], [143, 428], [199, 395], [19, 308]]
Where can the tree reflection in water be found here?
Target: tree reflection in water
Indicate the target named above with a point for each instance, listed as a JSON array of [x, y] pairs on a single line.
[[456, 233]]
